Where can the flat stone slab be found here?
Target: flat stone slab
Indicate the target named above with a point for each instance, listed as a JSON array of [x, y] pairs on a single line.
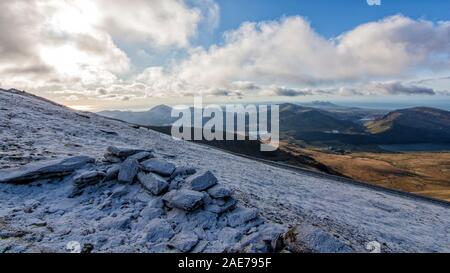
[[184, 199], [123, 152], [219, 191], [44, 170], [184, 241], [240, 216], [202, 181], [153, 183], [161, 167], [128, 170]]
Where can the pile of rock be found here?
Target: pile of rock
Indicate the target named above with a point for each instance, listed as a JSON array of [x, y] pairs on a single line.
[[190, 210]]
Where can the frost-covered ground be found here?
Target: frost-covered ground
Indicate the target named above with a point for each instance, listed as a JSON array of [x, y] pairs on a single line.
[[33, 130]]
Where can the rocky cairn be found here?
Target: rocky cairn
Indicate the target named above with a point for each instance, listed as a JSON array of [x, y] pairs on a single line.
[[169, 208]]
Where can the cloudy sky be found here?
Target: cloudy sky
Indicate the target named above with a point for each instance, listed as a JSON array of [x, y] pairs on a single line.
[[132, 54]]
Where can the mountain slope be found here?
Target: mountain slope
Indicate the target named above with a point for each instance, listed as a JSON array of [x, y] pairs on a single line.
[[32, 129], [157, 116], [420, 124]]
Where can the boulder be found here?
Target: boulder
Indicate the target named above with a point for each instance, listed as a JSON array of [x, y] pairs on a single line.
[[158, 166], [240, 216], [123, 152], [153, 182], [44, 170], [128, 170], [159, 230], [184, 241], [184, 199], [202, 181], [219, 191], [182, 171]]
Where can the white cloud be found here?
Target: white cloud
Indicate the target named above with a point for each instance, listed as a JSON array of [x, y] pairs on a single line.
[[156, 22], [72, 47]]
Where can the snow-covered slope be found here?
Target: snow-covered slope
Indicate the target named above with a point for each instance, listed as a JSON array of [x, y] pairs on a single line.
[[32, 129]]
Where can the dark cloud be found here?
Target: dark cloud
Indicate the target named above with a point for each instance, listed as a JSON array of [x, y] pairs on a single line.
[[397, 88]]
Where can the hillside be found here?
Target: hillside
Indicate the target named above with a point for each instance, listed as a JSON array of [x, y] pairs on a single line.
[[157, 116], [34, 130], [420, 124]]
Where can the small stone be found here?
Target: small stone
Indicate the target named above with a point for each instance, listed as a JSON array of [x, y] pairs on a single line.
[[184, 241], [83, 180], [219, 207], [159, 230], [153, 183], [229, 235], [142, 156], [128, 170], [112, 173], [184, 199], [202, 181], [123, 152], [158, 166], [156, 203], [119, 191], [112, 158], [219, 191], [150, 213], [240, 216], [182, 171]]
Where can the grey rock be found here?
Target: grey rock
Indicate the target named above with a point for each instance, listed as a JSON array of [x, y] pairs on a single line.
[[229, 235], [240, 216], [176, 183], [49, 169], [202, 181], [153, 183], [156, 203], [203, 219], [219, 191], [158, 166], [115, 223], [184, 199], [183, 172], [112, 158], [85, 179], [272, 234], [142, 156], [150, 213], [221, 207], [308, 238], [123, 152], [128, 170], [119, 191], [184, 241], [112, 173], [159, 230], [200, 247]]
